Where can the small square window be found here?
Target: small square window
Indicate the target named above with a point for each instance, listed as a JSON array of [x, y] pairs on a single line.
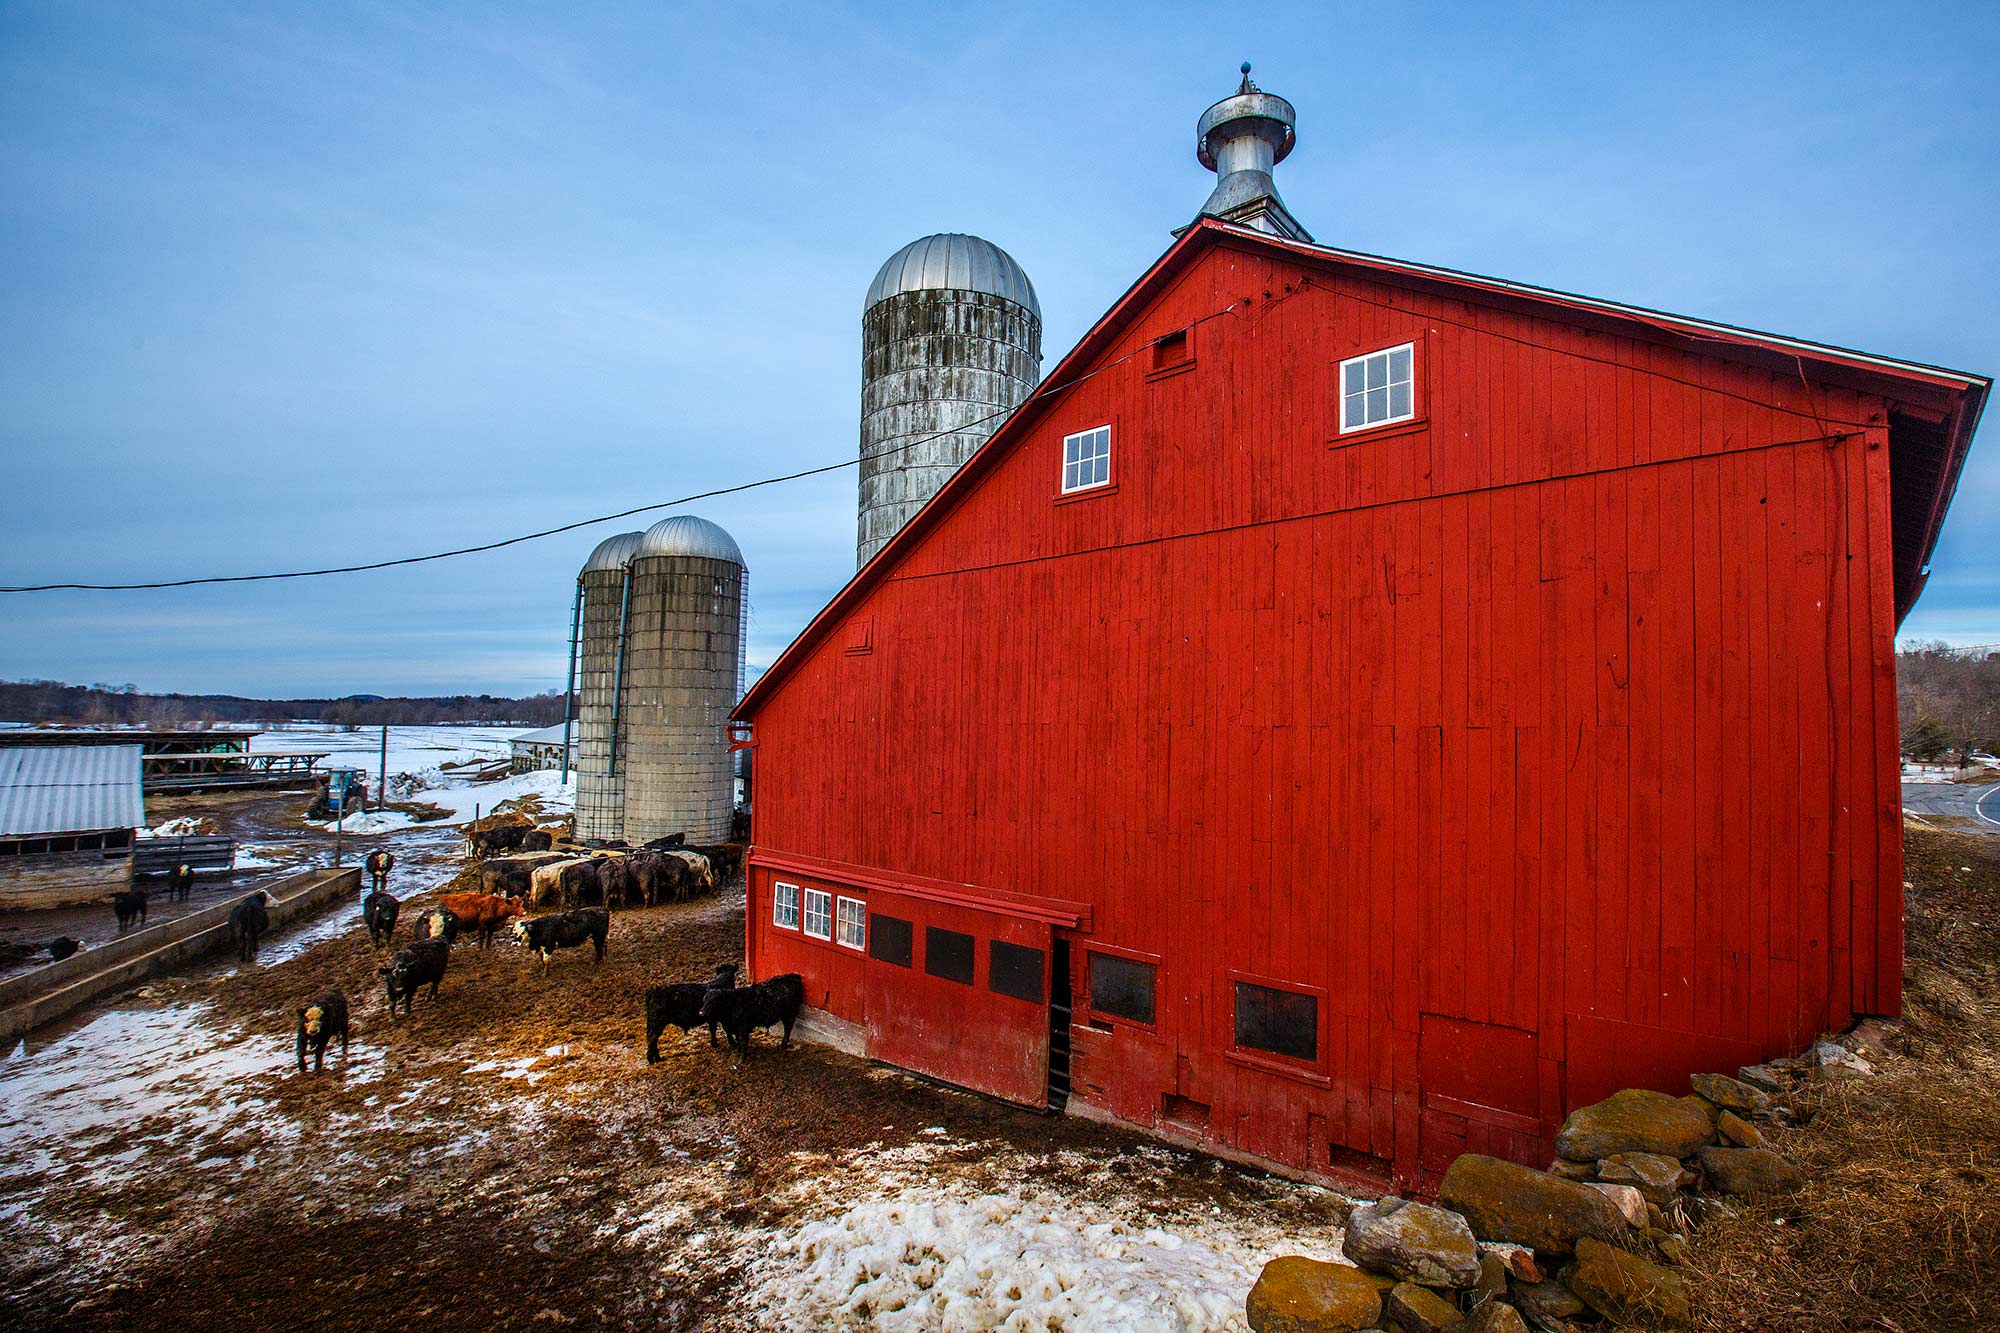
[[1282, 1022], [1172, 350], [1014, 969], [819, 914], [1086, 459], [1122, 987], [1378, 388], [851, 928], [948, 954], [890, 940], [785, 906]]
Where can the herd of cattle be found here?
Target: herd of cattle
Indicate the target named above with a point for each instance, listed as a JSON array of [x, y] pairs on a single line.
[[584, 887]]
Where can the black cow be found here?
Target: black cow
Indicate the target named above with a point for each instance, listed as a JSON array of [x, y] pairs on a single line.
[[681, 1004], [321, 1021], [440, 923], [661, 844], [130, 907], [62, 946], [379, 865], [379, 910], [564, 930], [180, 883], [421, 964], [767, 1003], [249, 920], [537, 840]]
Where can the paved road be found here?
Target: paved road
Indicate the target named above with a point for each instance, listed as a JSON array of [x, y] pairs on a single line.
[[1976, 803]]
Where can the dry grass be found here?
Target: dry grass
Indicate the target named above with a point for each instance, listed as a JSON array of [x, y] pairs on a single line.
[[1898, 1227]]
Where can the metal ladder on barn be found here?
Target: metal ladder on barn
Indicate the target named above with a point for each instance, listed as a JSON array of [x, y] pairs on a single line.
[[1059, 1018]]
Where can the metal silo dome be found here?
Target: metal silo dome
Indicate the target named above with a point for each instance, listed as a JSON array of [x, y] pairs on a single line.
[[953, 261], [686, 535], [951, 343], [613, 552]]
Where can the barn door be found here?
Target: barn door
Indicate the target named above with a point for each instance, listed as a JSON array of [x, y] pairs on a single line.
[[1478, 1056], [960, 994]]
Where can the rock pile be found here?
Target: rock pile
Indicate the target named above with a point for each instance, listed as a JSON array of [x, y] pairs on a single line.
[[1509, 1249]]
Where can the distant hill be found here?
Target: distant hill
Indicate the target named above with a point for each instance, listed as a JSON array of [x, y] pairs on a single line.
[[55, 701]]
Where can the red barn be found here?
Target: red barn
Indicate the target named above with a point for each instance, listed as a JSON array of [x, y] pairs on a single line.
[[1446, 702]]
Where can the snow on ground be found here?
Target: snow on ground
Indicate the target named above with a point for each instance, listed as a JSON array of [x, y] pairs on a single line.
[[187, 826], [411, 749], [470, 800], [922, 1250]]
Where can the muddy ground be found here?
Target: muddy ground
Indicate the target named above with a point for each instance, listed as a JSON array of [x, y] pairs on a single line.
[[504, 1157]]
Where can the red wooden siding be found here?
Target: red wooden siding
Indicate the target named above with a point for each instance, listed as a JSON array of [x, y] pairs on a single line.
[[1549, 739]]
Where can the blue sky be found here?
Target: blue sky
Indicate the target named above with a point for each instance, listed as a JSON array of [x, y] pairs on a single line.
[[288, 285]]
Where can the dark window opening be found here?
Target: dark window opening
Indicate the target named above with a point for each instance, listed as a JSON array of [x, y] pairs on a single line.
[[1171, 350], [1282, 1022], [948, 954], [889, 940], [1014, 969], [1121, 987]]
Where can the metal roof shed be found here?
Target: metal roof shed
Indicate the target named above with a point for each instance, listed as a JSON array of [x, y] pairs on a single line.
[[53, 791]]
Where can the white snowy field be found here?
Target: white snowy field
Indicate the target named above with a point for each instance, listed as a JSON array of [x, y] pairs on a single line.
[[470, 800], [411, 749]]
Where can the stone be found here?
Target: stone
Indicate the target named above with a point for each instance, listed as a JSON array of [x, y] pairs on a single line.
[[1519, 1259], [1564, 1169], [1629, 1201], [1768, 1078], [1826, 1054], [1703, 1105], [1506, 1201], [1625, 1288], [1870, 1038], [1654, 1175], [1492, 1317], [1414, 1241], [1730, 1094], [1739, 1131], [1295, 1294], [1656, 1217], [1492, 1282], [1673, 1248], [1635, 1120], [1416, 1309], [1547, 1300], [1749, 1171]]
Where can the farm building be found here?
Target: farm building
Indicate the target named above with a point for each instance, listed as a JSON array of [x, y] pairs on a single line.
[[1355, 712], [68, 815], [546, 747]]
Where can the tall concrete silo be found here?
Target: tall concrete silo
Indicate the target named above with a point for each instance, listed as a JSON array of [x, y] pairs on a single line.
[[951, 342], [684, 642], [601, 594]]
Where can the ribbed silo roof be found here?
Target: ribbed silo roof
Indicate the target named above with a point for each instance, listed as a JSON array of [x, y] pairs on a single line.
[[613, 552], [951, 261], [684, 534]]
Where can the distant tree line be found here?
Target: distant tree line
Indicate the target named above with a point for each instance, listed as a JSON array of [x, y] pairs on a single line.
[[55, 701], [1948, 701]]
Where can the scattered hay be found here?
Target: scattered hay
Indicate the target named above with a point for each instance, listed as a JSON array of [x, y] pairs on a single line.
[[502, 817], [422, 811], [1898, 1227]]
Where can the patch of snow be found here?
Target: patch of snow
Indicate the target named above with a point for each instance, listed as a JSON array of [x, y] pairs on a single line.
[[262, 856], [187, 826], [950, 1258], [467, 800]]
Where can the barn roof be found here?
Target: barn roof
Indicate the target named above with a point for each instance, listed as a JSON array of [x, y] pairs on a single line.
[[543, 736], [1930, 432], [48, 789]]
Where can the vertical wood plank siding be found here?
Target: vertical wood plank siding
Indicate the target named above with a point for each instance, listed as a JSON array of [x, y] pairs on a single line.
[[1551, 741]]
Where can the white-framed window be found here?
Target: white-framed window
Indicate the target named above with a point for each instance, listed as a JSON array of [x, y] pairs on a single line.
[[851, 929], [785, 906], [1378, 387], [1086, 459], [819, 914]]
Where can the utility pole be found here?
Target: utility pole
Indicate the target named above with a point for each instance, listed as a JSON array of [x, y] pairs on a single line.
[[569, 692], [382, 784]]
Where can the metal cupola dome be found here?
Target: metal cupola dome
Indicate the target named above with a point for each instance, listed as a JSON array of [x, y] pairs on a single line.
[[613, 552], [953, 261], [686, 535]]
